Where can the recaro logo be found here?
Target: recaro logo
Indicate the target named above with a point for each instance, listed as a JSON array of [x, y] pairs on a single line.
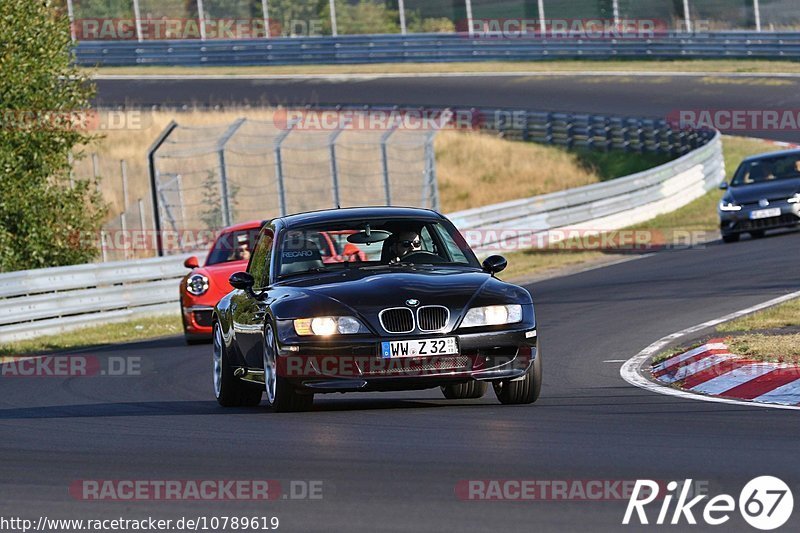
[[295, 255], [765, 503]]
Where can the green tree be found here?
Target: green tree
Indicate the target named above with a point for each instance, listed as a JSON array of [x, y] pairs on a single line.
[[42, 217], [365, 17]]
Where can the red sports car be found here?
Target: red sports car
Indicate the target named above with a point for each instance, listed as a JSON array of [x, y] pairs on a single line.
[[204, 286]]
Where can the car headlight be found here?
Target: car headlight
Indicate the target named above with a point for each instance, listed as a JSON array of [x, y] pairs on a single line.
[[197, 284], [492, 315], [325, 326], [795, 199], [729, 206]]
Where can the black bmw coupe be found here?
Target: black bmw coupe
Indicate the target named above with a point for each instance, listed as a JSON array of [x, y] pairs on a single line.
[[406, 306]]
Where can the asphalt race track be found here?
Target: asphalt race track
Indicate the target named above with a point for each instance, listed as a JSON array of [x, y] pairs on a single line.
[[391, 461], [645, 96]]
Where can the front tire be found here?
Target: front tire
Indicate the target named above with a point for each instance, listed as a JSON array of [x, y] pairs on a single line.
[[523, 391], [282, 396], [730, 237], [229, 390], [465, 391]]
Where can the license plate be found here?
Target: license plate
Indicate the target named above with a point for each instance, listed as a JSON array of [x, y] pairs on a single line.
[[765, 213], [419, 348]]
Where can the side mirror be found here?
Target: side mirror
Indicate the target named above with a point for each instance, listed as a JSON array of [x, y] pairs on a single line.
[[242, 281], [723, 186], [192, 262], [494, 264]]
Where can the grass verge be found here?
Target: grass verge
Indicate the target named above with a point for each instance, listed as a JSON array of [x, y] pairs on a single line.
[[786, 315], [476, 169], [633, 66], [132, 330], [771, 335], [783, 348]]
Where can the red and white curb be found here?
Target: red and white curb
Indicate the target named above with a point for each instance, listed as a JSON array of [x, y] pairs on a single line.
[[712, 369], [637, 370]]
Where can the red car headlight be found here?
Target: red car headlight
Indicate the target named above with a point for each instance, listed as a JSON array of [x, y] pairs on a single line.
[[197, 284]]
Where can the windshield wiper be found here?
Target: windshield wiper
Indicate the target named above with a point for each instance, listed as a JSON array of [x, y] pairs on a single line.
[[316, 270]]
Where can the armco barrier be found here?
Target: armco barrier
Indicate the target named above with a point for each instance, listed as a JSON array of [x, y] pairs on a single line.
[[35, 302], [609, 205], [431, 48], [53, 300]]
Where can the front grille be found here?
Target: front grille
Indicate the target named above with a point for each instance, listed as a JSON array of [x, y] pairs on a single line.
[[397, 320], [203, 318], [432, 317], [766, 223], [417, 366]]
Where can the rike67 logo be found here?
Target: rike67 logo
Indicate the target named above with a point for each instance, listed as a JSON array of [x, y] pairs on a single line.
[[765, 503]]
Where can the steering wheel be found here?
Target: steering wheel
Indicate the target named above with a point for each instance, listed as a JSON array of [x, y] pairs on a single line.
[[422, 257]]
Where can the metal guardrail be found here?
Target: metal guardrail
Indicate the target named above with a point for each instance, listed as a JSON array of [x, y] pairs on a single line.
[[53, 300], [352, 49], [602, 206], [36, 302]]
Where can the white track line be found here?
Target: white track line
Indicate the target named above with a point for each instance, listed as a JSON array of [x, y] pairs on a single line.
[[388, 75], [633, 373]]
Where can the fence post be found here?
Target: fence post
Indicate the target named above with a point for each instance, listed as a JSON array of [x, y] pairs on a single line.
[[71, 161], [103, 252], [542, 20], [122, 217], [123, 167], [615, 9], [469, 18], [334, 28], [401, 6], [279, 166], [137, 15], [96, 172], [757, 8], [225, 201], [141, 220], [265, 13], [687, 16], [387, 186], [151, 164], [201, 15], [432, 187], [334, 168], [71, 15]]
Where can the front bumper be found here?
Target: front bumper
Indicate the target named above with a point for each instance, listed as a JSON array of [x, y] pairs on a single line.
[[348, 365], [197, 321], [734, 222]]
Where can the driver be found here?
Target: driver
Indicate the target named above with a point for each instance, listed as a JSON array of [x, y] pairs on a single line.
[[407, 242]]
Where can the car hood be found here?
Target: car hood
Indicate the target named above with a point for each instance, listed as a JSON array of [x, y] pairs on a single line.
[[218, 284], [365, 292], [774, 190]]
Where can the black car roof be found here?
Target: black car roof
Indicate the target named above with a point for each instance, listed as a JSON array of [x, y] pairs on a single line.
[[355, 213], [770, 155]]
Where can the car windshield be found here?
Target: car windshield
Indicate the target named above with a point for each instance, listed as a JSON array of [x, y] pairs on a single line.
[[372, 243], [233, 246], [767, 170]]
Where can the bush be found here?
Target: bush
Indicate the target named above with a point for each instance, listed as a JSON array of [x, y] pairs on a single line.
[[42, 217]]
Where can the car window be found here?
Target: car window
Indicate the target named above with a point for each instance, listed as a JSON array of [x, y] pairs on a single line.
[[304, 250], [767, 170], [262, 259], [457, 255], [233, 246]]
